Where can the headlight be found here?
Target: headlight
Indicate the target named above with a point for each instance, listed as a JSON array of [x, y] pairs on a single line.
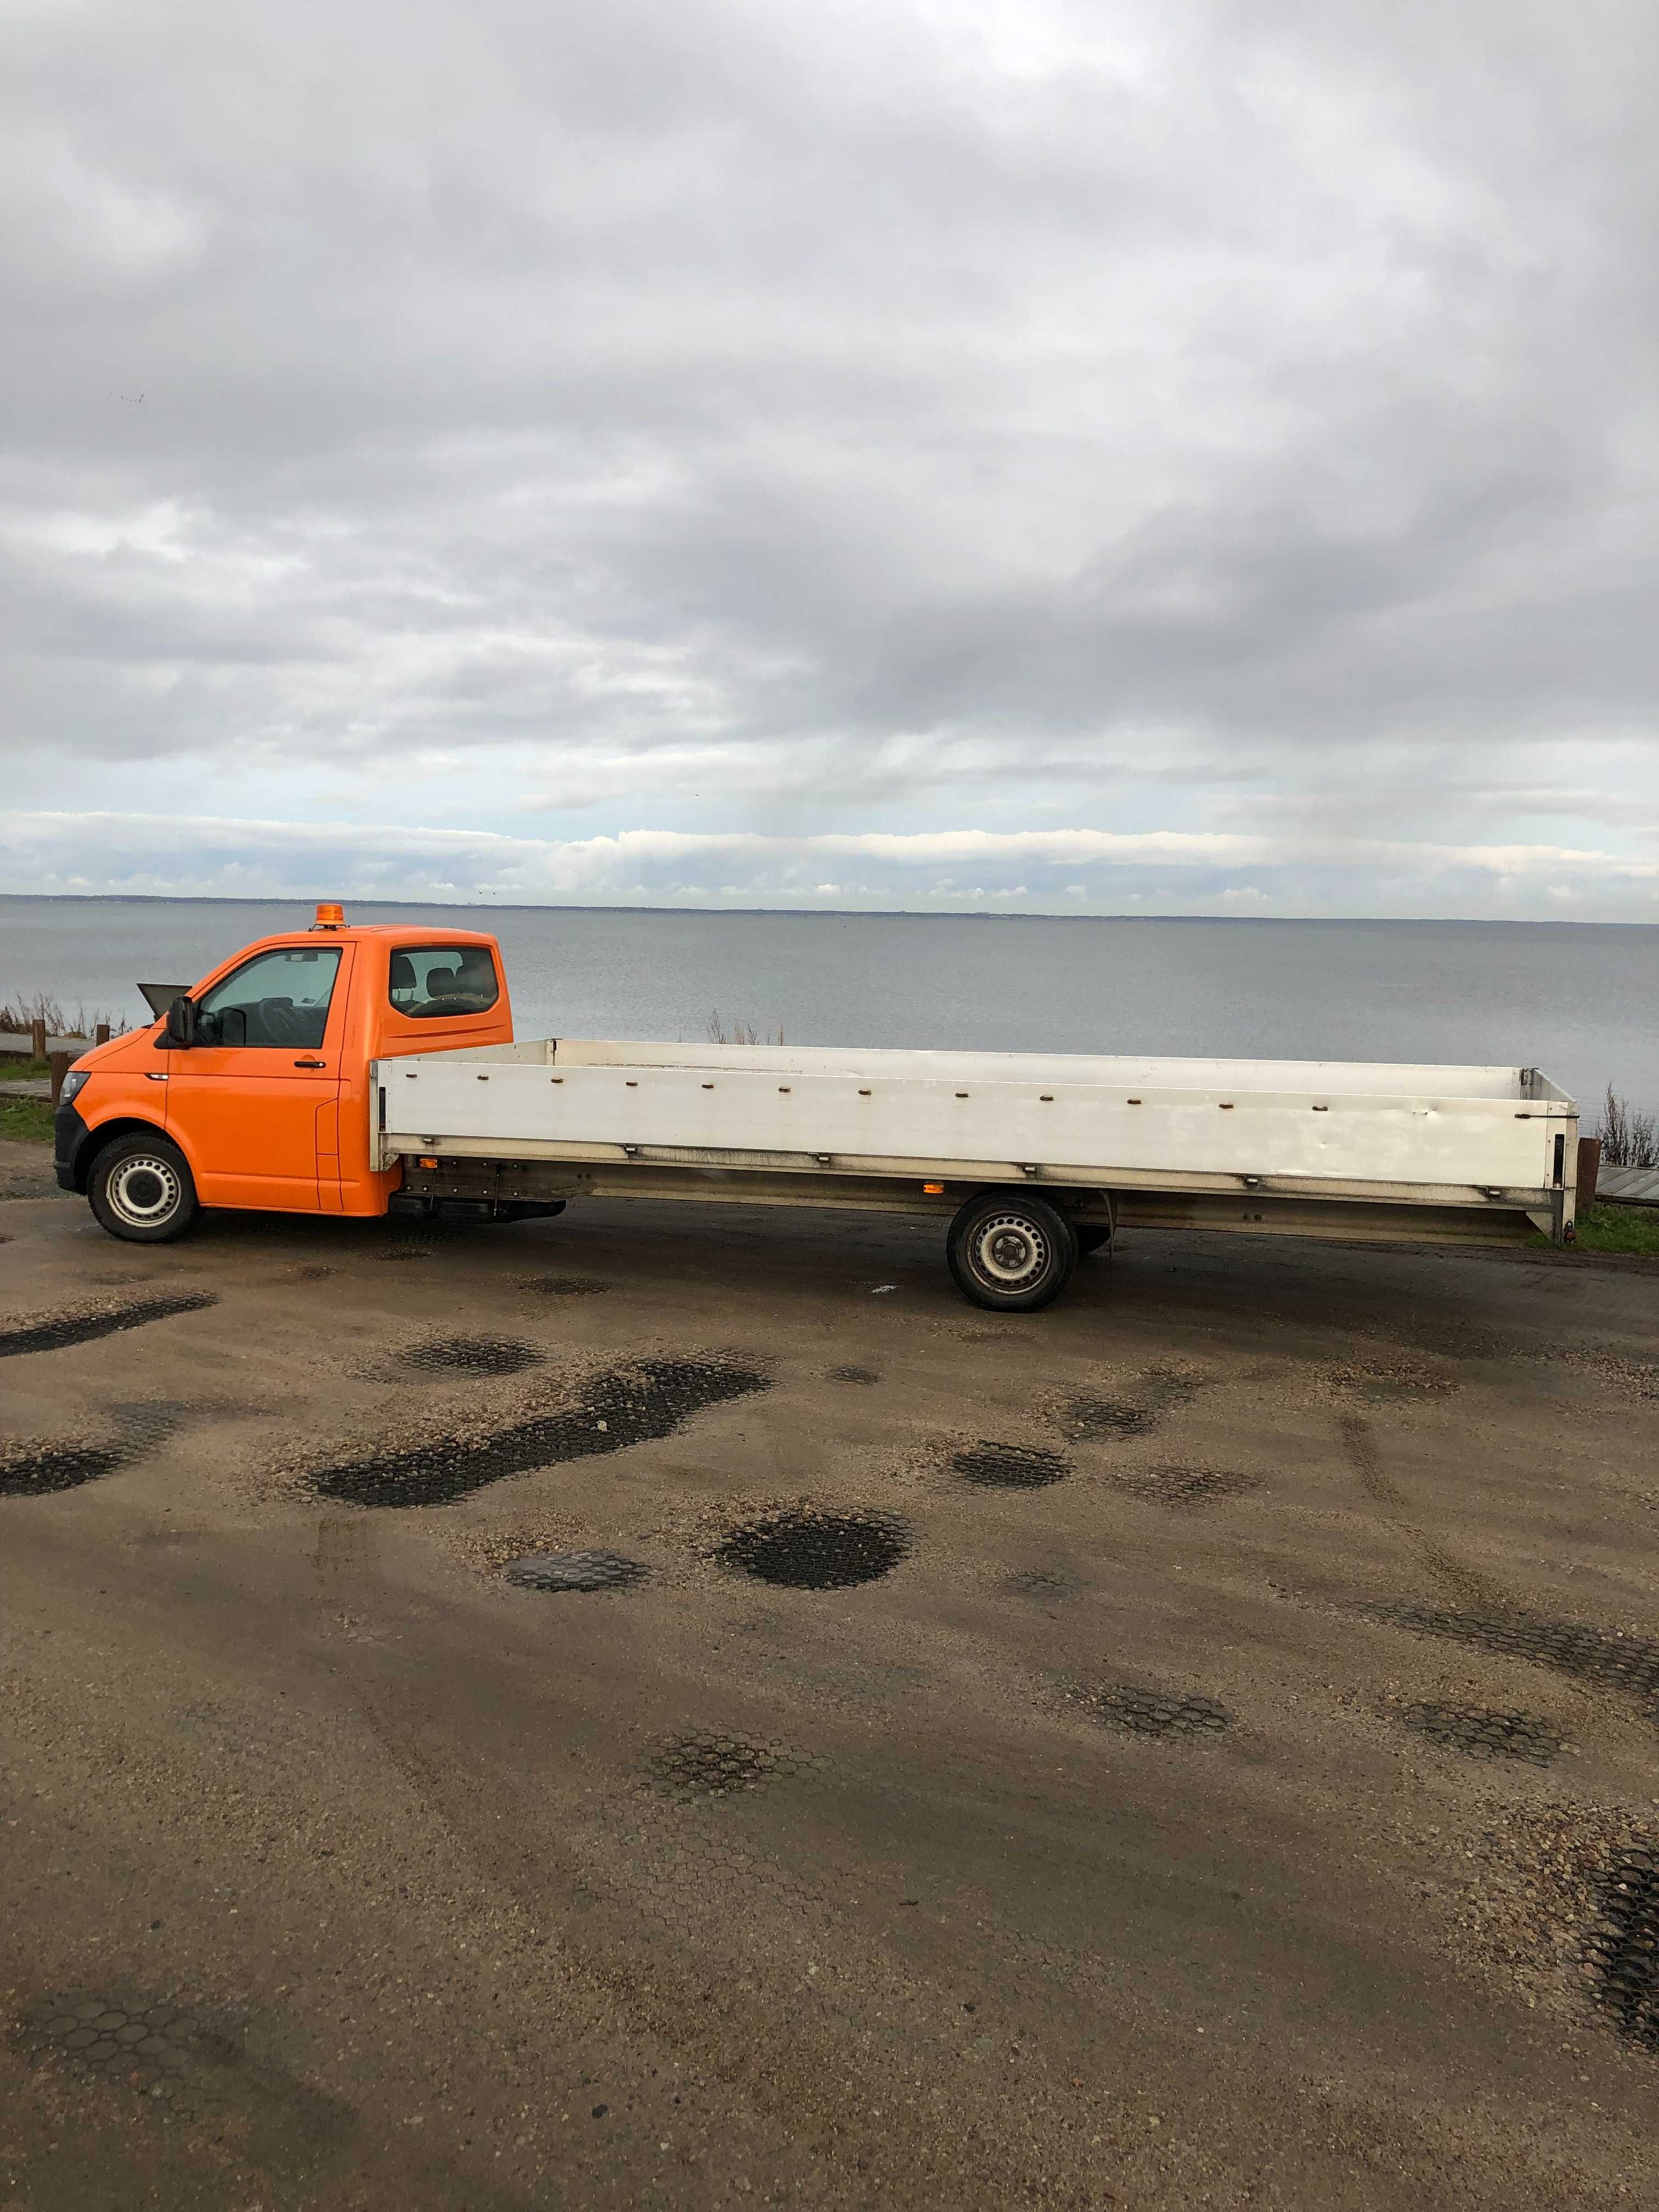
[[75, 1081]]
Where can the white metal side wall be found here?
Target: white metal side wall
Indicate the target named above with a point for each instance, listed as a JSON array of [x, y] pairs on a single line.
[[875, 1115]]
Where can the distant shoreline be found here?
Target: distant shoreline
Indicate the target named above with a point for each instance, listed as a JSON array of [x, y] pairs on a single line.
[[814, 913]]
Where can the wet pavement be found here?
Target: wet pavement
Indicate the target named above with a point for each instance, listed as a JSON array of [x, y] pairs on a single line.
[[670, 1707]]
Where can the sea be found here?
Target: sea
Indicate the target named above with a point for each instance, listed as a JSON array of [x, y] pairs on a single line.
[[1578, 1000]]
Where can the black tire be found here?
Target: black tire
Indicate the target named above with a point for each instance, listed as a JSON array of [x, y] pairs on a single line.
[[1091, 1237], [1011, 1252], [142, 1190]]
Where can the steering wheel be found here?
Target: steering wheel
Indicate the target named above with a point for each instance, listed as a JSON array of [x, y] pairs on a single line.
[[281, 1021]]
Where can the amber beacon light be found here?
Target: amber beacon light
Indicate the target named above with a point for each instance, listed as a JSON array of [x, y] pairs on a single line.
[[330, 915]]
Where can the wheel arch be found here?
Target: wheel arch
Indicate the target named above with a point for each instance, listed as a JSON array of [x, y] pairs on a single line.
[[99, 1138], [1078, 1202]]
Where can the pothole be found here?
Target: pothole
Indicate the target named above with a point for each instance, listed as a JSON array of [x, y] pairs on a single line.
[[1010, 1466], [85, 1324], [1597, 1655], [1185, 1485], [1480, 1734], [1157, 1712], [1093, 1416], [60, 1467], [145, 1423], [188, 2058], [1041, 1582], [804, 1548], [863, 1375], [147, 2046], [473, 1355], [1384, 1381], [573, 1570], [706, 1763], [565, 1287], [1622, 1949], [622, 1407]]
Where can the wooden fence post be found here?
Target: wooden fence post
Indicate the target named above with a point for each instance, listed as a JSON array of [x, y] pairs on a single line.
[[60, 1064], [38, 1037], [101, 1035], [1589, 1168]]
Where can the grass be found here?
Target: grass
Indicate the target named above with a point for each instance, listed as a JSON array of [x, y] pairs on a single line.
[[1633, 1230], [1619, 1229], [25, 1120]]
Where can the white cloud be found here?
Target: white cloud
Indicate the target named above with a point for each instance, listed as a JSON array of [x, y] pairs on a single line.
[[1152, 870]]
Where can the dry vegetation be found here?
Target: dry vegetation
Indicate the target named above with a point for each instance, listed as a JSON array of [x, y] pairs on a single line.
[[18, 1016], [740, 1032], [1628, 1138]]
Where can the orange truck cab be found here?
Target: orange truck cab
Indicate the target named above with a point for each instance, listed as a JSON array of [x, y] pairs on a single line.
[[253, 1089]]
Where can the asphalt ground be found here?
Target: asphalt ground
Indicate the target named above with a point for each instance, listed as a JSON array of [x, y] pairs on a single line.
[[1235, 1782]]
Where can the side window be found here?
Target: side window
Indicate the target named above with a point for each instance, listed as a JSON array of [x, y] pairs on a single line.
[[277, 999], [432, 981]]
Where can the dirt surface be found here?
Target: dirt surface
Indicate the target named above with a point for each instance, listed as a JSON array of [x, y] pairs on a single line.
[[26, 1171], [667, 1707]]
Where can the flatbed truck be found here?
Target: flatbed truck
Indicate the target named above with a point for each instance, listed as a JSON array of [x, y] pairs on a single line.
[[361, 1070]]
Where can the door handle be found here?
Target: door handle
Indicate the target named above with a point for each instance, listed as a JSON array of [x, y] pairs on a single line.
[[311, 1063], [149, 1078]]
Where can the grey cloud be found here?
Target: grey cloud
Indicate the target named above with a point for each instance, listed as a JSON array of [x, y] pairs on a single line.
[[734, 416]]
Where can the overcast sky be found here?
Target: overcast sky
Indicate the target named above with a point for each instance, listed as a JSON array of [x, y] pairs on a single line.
[[1105, 457]]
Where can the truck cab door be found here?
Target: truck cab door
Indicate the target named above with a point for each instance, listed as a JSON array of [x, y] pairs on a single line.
[[254, 1102]]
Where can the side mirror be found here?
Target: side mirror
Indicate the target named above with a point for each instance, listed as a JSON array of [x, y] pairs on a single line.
[[180, 1033]]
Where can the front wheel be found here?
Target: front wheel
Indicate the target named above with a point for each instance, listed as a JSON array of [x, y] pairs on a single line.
[[141, 1189], [1011, 1252]]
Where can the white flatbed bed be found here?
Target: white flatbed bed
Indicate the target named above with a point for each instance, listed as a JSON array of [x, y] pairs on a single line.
[[1313, 1148]]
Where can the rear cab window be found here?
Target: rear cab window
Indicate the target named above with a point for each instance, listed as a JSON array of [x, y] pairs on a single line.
[[442, 982]]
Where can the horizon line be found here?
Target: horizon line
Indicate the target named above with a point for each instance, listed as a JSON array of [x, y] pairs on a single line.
[[816, 914]]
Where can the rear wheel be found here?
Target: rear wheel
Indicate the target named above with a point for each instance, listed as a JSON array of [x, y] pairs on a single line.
[[141, 1189], [1011, 1252]]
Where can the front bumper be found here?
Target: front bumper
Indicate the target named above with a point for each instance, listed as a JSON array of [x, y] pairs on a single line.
[[69, 1134]]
